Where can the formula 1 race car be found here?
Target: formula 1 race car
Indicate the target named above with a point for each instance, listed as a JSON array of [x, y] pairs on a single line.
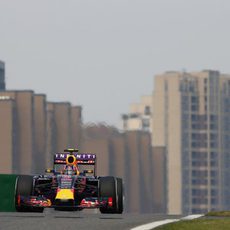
[[73, 185]]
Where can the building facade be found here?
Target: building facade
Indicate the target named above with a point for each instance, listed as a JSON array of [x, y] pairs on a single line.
[[23, 129], [32, 130], [64, 128], [191, 122], [139, 116], [40, 134], [8, 162], [126, 155], [2, 76]]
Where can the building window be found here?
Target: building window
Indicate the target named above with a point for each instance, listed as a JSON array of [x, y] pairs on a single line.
[[194, 108], [145, 123], [214, 201], [133, 115], [147, 110], [194, 99], [214, 192]]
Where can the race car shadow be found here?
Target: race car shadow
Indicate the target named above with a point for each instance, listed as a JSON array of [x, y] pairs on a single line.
[[23, 216], [111, 218], [69, 217]]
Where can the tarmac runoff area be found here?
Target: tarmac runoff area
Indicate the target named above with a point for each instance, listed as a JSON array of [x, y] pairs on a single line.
[[84, 220], [166, 221]]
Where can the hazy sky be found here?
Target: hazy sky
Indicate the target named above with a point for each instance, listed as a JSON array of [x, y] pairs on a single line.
[[103, 54]]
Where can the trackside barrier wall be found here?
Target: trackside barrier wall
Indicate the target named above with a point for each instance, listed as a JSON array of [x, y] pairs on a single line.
[[7, 192]]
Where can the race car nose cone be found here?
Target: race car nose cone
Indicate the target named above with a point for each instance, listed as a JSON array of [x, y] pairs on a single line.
[[65, 194]]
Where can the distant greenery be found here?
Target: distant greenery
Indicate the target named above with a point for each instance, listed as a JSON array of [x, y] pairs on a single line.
[[198, 224]]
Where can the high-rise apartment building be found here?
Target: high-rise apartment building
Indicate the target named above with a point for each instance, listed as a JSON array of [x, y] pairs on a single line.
[[139, 116], [2, 76], [191, 126]]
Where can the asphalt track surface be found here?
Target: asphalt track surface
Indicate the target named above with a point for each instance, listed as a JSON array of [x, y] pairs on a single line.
[[85, 220]]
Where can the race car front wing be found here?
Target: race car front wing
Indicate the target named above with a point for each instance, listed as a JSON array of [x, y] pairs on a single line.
[[43, 202]]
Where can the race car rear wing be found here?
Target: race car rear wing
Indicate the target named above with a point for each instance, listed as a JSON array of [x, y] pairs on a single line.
[[82, 158]]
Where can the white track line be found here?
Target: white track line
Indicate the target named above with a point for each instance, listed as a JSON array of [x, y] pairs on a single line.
[[191, 217], [162, 222]]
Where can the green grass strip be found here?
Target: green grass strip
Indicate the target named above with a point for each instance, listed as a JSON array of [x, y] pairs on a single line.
[[198, 224], [219, 213]]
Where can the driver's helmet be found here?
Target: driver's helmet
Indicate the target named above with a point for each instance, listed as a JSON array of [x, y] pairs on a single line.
[[70, 170]]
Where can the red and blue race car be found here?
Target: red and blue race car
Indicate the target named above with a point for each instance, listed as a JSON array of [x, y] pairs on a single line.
[[72, 184]]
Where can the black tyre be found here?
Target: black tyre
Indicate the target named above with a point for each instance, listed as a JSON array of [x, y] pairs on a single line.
[[111, 187], [119, 195], [24, 187]]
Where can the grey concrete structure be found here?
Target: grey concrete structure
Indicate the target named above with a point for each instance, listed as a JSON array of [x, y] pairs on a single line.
[[133, 181], [62, 117], [62, 120], [76, 126], [24, 129], [51, 135], [126, 155], [159, 182], [7, 135], [2, 76], [147, 178], [64, 124], [32, 130], [40, 134], [100, 147]]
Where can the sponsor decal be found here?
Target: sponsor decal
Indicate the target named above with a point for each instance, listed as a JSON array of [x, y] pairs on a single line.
[[78, 156]]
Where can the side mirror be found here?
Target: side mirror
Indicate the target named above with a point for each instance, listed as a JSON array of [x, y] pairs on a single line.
[[49, 171]]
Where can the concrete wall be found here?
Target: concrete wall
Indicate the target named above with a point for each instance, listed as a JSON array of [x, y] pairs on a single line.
[[76, 127], [64, 128], [40, 116], [7, 135], [24, 126], [126, 155], [51, 135], [146, 172], [32, 130], [24, 107], [159, 179], [62, 115], [101, 148], [133, 185]]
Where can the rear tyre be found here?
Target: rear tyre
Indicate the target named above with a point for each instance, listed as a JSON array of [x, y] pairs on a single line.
[[24, 187], [111, 187]]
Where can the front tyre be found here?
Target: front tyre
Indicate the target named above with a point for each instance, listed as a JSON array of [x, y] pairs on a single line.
[[111, 187], [119, 196], [24, 187]]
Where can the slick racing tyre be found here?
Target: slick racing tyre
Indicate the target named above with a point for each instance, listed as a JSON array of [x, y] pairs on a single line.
[[111, 187], [119, 195], [24, 187]]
